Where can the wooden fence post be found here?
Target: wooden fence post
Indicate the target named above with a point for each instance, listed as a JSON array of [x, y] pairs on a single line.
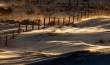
[[49, 20], [69, 20], [44, 22], [77, 18], [6, 40], [0, 38], [63, 21], [88, 14], [33, 25], [96, 13], [81, 15], [38, 25], [85, 14], [19, 28], [73, 19], [91, 13], [54, 20], [58, 21], [107, 13]]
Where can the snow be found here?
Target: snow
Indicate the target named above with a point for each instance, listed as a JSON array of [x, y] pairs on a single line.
[[92, 35], [55, 40], [8, 54]]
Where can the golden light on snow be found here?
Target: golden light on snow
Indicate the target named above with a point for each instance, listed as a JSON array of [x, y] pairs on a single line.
[[1, 5], [94, 17], [50, 53], [98, 48], [8, 54]]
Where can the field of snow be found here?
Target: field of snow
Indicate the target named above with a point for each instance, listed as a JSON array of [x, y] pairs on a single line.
[[92, 35]]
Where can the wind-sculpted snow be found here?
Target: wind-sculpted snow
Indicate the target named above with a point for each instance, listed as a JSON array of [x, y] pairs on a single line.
[[51, 42]]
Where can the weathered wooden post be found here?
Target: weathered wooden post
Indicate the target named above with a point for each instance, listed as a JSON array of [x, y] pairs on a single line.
[[58, 21], [91, 13], [77, 18], [19, 28], [85, 14], [88, 14], [49, 20], [99, 12], [102, 11], [107, 13], [95, 13], [6, 40], [0, 38], [38, 24], [69, 20], [63, 21], [54, 20], [32, 25], [73, 19], [81, 15], [44, 23]]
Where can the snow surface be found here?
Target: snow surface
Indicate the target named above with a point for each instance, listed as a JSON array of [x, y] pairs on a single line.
[[93, 35]]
